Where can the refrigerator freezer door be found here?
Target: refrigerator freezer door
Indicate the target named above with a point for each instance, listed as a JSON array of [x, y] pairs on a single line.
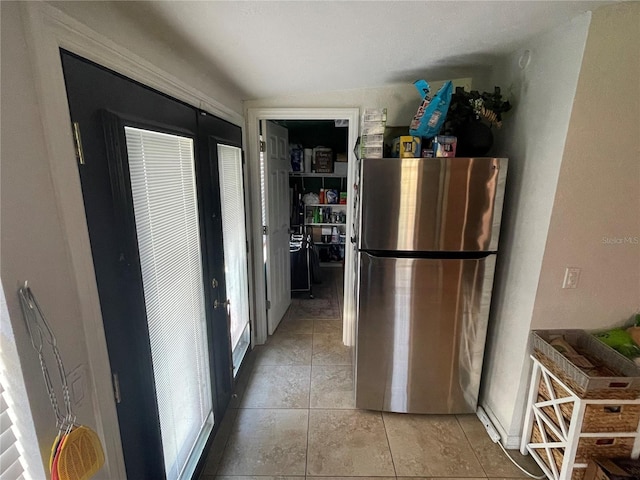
[[431, 204], [421, 333]]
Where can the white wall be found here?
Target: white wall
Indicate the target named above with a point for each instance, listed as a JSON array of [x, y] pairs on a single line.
[[596, 214], [401, 100], [533, 139], [153, 42], [33, 243], [44, 234]]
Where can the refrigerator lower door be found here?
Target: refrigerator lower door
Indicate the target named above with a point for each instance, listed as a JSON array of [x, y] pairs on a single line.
[[421, 333]]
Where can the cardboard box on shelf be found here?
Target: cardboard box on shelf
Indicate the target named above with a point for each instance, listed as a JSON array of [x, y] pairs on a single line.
[[375, 140], [406, 146], [612, 469], [373, 121], [374, 115], [444, 146], [340, 168], [373, 128], [371, 152]]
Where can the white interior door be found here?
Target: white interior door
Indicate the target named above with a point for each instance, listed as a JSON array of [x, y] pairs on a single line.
[[276, 196]]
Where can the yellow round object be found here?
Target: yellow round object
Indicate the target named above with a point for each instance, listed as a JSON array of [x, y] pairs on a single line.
[[54, 449], [81, 455]]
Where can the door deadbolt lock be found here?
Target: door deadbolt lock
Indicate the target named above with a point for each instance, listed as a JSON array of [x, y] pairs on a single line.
[[217, 304], [214, 283]]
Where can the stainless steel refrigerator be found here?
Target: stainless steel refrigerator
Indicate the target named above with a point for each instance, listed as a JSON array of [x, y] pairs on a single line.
[[427, 244]]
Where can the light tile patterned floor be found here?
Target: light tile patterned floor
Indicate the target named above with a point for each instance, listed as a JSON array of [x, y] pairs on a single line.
[[293, 415]]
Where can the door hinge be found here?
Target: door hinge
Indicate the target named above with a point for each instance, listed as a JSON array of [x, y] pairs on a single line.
[[116, 388], [77, 142], [265, 230], [268, 304], [263, 146]]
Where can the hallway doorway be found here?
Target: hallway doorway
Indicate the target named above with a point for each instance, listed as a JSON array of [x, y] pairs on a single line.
[[300, 184]]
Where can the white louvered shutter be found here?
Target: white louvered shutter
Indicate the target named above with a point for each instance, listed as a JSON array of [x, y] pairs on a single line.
[[12, 464]]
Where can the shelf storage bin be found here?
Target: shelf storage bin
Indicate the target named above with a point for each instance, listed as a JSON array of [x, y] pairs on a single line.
[[569, 418], [624, 378]]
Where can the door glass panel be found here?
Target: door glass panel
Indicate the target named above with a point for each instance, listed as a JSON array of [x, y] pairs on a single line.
[[235, 252], [166, 215]]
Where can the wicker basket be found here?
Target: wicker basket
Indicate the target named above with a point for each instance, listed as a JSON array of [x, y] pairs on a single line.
[[597, 417], [626, 385], [589, 447], [610, 418], [558, 390], [578, 473], [557, 453], [566, 409]]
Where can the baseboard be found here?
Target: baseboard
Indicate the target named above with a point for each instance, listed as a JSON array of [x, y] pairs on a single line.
[[510, 442]]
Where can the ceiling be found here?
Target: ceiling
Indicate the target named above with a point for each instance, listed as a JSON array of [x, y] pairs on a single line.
[[272, 48]]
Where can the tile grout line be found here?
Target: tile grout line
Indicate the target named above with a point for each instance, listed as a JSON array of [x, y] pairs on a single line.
[[249, 374], [466, 437], [386, 435], [306, 453]]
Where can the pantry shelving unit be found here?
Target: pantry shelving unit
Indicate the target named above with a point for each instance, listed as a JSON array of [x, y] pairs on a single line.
[[331, 252], [314, 181]]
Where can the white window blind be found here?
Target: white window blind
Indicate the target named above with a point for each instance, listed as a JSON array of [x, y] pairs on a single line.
[[12, 463], [262, 188], [166, 216], [235, 253]]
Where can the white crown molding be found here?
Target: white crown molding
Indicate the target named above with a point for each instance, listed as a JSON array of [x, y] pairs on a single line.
[[76, 37]]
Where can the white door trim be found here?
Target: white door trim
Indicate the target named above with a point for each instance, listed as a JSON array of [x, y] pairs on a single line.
[[254, 116], [47, 30]]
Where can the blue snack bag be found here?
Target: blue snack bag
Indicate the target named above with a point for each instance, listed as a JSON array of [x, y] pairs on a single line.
[[432, 111]]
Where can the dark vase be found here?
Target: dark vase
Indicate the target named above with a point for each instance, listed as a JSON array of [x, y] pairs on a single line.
[[474, 140]]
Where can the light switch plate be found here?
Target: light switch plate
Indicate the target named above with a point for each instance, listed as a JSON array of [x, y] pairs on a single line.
[[77, 382], [571, 277]]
